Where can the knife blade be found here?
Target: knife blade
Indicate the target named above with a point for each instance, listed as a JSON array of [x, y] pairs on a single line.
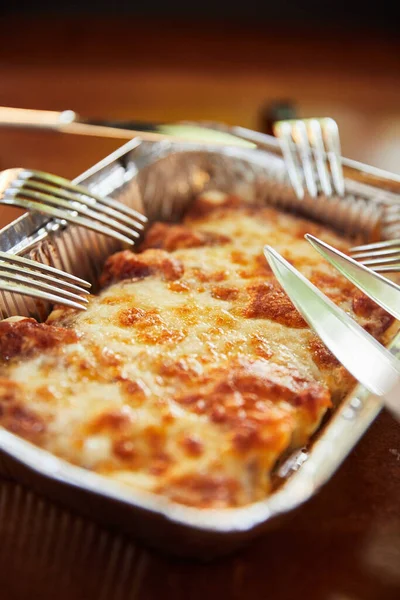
[[384, 292], [367, 360]]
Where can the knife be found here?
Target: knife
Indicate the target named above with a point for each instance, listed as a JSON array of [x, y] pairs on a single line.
[[367, 360], [384, 292], [68, 121]]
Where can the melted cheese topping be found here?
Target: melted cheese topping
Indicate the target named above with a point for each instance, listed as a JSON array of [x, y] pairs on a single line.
[[191, 373]]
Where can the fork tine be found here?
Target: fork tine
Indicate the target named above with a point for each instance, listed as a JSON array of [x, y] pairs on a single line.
[[381, 261], [299, 132], [332, 140], [356, 349], [41, 276], [69, 206], [283, 130], [377, 253], [32, 264], [382, 291], [18, 278], [78, 189], [317, 143], [26, 290], [68, 196], [375, 246], [395, 268], [66, 216]]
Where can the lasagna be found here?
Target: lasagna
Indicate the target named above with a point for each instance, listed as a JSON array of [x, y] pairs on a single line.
[[191, 374]]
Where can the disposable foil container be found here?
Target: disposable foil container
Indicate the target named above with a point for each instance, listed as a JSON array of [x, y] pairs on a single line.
[[161, 180]]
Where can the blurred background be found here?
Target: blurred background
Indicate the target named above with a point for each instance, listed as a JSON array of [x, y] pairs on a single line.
[[237, 63]]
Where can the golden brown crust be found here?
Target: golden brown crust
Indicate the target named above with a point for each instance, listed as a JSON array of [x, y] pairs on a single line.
[[192, 372], [24, 422], [208, 276], [179, 286], [224, 292], [372, 317], [180, 369], [378, 327], [261, 346], [267, 300], [26, 337], [113, 420], [15, 416], [378, 320], [129, 316], [323, 357], [150, 327], [239, 398], [9, 390], [173, 237], [128, 265], [362, 305], [337, 288], [192, 445], [124, 449]]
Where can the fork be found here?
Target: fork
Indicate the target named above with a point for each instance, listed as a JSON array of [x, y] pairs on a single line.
[[363, 356], [311, 150], [381, 290], [30, 278], [59, 198], [382, 257]]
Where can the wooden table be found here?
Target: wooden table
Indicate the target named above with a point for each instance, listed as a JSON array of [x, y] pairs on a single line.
[[345, 543]]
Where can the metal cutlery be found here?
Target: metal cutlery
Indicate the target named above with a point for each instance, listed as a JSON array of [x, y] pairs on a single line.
[[367, 360], [383, 257], [384, 292], [30, 278], [59, 198], [207, 132], [311, 149], [68, 121]]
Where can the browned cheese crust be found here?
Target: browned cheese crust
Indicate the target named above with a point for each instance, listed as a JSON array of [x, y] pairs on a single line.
[[191, 373]]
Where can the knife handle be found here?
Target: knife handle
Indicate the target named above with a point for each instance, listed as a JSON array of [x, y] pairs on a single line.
[[66, 121], [42, 119]]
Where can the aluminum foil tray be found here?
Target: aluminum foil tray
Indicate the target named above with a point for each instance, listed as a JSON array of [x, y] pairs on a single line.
[[161, 180]]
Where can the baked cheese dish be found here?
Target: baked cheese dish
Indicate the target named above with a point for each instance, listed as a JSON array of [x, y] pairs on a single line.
[[191, 373]]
